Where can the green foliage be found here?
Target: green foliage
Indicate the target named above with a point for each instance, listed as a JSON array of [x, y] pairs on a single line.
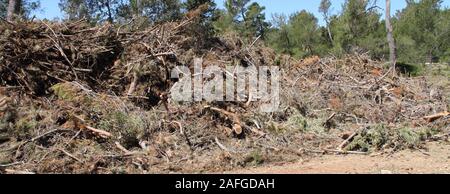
[[26, 7], [150, 11], [204, 27], [74, 9], [300, 36], [304, 30], [254, 22], [358, 29], [370, 139], [209, 15], [145, 12], [422, 31], [278, 37], [129, 126], [255, 158], [3, 8], [236, 8], [381, 136], [249, 20], [92, 10], [410, 69], [224, 23]]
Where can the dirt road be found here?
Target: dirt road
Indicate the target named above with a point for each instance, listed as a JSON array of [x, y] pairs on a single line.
[[435, 159]]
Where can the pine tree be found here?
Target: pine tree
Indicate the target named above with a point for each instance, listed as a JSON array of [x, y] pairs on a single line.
[[151, 11], [324, 8], [418, 31], [17, 9], [304, 33], [204, 23], [254, 23], [356, 29], [93, 10]]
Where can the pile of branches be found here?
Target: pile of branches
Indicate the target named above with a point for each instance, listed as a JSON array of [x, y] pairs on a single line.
[[362, 91], [101, 101], [37, 55]]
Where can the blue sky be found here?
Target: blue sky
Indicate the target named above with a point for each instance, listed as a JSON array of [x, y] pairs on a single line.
[[50, 9]]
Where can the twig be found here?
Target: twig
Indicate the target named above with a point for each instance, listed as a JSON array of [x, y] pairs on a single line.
[[183, 133], [253, 43], [123, 149], [8, 22], [70, 155], [11, 171], [222, 146], [11, 164], [58, 46], [347, 152], [45, 134], [32, 140]]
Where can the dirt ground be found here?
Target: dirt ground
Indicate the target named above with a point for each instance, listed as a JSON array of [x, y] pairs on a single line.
[[435, 159]]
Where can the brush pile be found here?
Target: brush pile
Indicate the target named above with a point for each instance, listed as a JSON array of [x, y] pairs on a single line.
[[81, 99]]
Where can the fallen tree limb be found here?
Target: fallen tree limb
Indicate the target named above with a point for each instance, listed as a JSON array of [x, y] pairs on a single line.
[[99, 132], [11, 164], [347, 152], [434, 117], [120, 147], [346, 141], [11, 171]]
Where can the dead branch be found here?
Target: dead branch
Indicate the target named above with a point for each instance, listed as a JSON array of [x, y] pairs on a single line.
[[346, 141], [11, 164], [347, 152], [70, 155], [11, 171], [222, 146], [434, 117], [101, 133], [123, 149]]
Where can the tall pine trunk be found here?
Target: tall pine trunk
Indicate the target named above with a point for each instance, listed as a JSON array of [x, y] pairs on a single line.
[[390, 36], [12, 10]]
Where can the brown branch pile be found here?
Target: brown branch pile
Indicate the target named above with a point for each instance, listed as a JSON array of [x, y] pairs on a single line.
[[37, 55], [100, 102], [362, 91]]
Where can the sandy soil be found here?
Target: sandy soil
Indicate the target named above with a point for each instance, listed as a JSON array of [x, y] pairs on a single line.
[[435, 159]]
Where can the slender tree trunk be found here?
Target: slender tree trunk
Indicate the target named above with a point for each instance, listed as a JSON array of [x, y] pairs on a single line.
[[108, 7], [12, 8], [390, 37], [329, 30]]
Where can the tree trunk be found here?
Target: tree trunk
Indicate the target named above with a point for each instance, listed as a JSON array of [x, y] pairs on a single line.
[[108, 7], [390, 37], [12, 5], [329, 31]]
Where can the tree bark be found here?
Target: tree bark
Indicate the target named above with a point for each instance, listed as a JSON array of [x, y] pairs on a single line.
[[329, 29], [108, 7], [390, 37], [12, 5]]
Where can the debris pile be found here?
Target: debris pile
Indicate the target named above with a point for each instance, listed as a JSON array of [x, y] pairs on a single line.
[[81, 99]]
